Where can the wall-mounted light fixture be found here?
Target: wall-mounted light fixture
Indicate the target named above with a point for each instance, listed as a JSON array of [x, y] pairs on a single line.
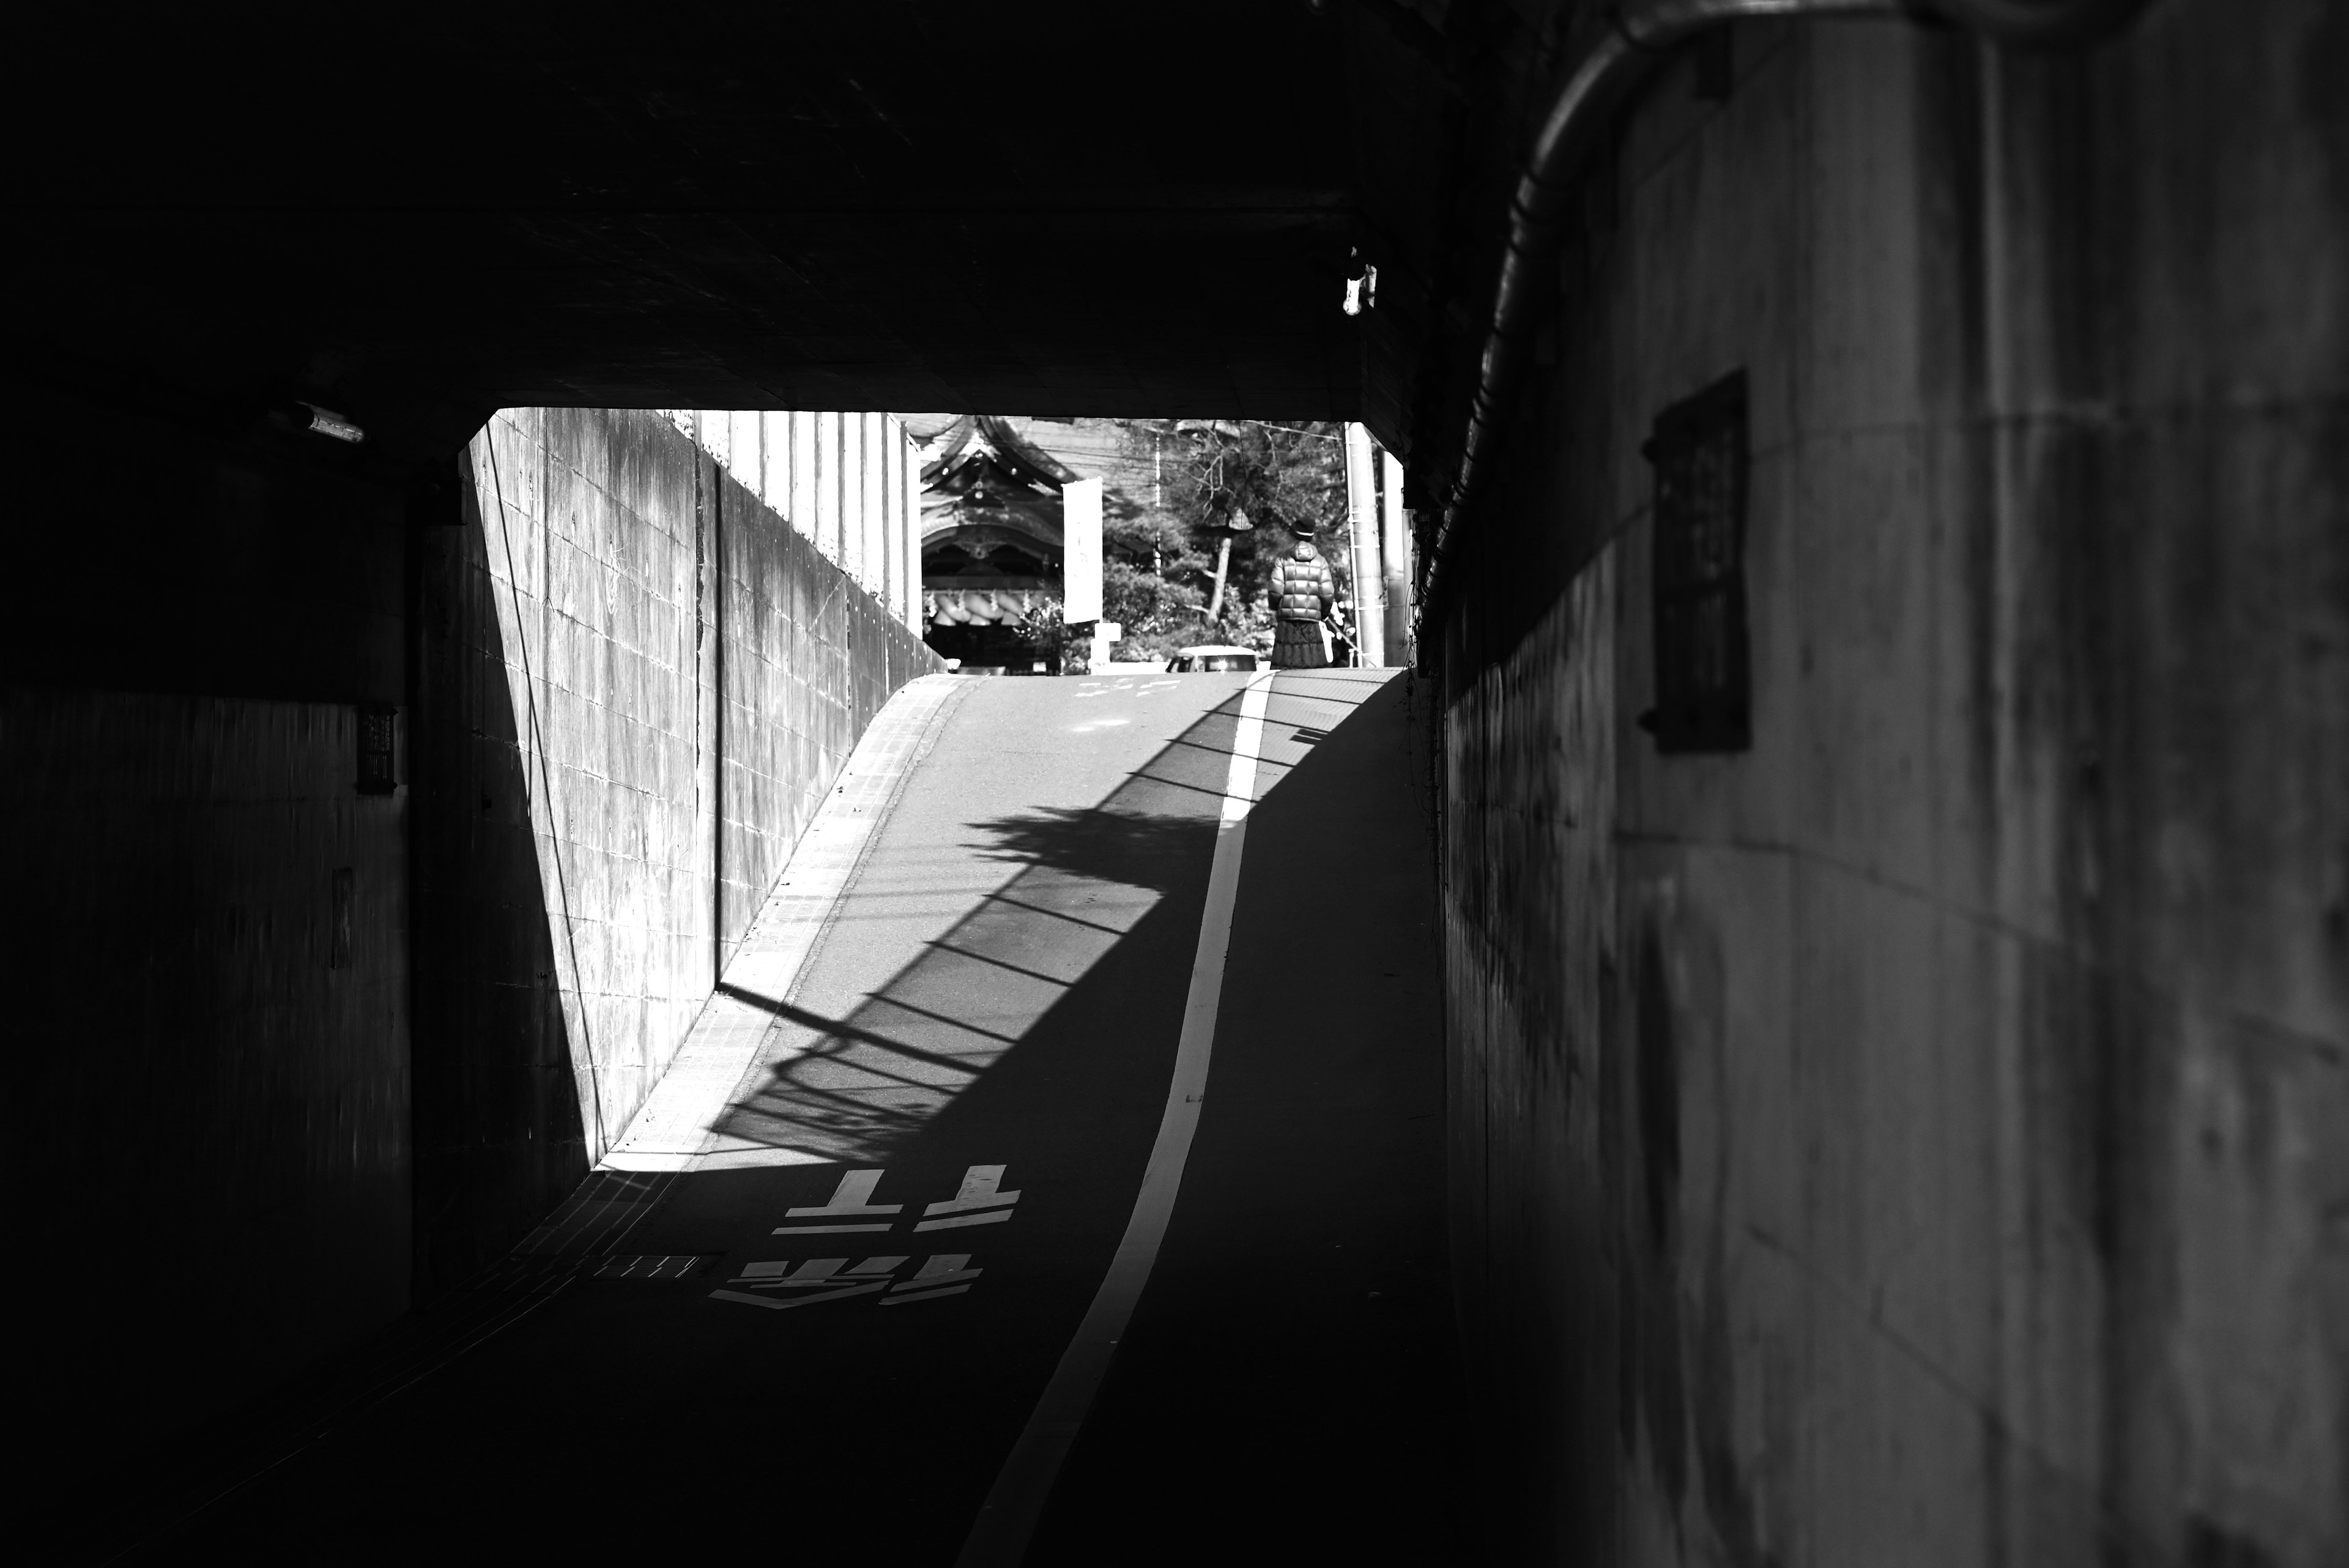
[[1362, 285], [1697, 573], [309, 418], [331, 424]]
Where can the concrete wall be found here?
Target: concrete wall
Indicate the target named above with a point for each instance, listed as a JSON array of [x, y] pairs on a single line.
[[639, 681], [1924, 1138], [290, 1055], [206, 965], [807, 661], [851, 482]]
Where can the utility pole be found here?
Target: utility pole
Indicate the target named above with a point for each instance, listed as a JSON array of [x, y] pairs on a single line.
[[1226, 531], [1363, 518]]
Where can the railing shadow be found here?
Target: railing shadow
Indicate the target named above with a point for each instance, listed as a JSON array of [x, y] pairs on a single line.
[[857, 1088]]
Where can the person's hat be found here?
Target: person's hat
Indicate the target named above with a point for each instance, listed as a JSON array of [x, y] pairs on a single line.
[[1300, 527]]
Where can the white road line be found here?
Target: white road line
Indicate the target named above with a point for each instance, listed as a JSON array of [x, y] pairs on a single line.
[[998, 1536]]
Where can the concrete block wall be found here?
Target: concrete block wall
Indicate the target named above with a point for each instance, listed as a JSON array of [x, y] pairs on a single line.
[[593, 561], [850, 481], [806, 662], [1919, 1137], [640, 680]]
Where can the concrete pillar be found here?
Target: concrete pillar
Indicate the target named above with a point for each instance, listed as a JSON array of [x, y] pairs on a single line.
[[845, 425], [1362, 515], [803, 511], [903, 565], [827, 485], [748, 464], [872, 455], [1395, 552], [775, 465], [853, 497], [884, 513]]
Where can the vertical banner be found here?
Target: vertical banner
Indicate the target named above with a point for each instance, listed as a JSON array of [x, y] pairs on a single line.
[[1394, 545], [1081, 554], [1369, 630]]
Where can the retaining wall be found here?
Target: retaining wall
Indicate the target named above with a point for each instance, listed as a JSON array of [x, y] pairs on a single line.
[[639, 680]]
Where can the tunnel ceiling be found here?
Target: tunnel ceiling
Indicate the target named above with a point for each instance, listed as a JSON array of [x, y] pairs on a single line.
[[416, 214]]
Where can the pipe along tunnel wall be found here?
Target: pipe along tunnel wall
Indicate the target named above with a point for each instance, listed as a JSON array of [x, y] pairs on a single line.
[[299, 1055], [1922, 1135]]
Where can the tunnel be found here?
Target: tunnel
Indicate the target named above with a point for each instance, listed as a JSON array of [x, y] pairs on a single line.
[[1794, 1013]]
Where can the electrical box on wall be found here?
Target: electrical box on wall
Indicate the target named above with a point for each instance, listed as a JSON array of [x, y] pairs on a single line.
[[379, 736], [1697, 573]]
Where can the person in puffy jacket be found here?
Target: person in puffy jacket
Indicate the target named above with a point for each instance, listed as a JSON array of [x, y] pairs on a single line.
[[1303, 594]]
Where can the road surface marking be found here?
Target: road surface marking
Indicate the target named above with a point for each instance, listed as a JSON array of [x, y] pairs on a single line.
[[814, 1272], [945, 1268], [850, 1197], [998, 1536], [776, 1270], [873, 1289], [813, 1230], [981, 1188], [963, 1220], [945, 1275]]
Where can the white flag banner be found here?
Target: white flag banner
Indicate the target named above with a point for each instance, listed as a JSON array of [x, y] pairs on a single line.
[[1081, 554]]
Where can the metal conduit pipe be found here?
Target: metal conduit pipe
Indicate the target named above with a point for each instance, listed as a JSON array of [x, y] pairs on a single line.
[[1642, 36]]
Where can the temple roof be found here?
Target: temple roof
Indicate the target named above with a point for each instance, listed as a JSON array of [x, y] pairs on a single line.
[[983, 488]]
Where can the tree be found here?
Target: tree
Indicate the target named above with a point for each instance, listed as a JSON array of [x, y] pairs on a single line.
[[1214, 473]]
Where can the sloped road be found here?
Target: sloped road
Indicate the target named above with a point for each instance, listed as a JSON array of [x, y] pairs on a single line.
[[846, 1330]]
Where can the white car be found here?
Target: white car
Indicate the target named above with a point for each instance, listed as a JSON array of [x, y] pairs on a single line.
[[1211, 656]]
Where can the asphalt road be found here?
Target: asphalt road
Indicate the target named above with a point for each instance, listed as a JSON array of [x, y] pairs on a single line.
[[831, 1365]]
